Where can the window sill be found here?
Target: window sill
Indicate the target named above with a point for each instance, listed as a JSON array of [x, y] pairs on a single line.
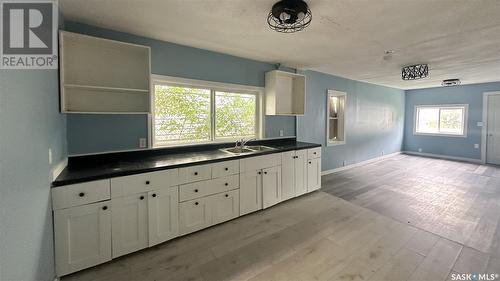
[[334, 143]]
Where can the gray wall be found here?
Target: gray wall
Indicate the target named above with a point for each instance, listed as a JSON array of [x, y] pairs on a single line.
[[30, 123], [367, 136], [448, 146], [98, 133]]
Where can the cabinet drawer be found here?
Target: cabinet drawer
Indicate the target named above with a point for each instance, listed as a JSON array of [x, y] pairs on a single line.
[[203, 188], [260, 162], [80, 194], [195, 173], [225, 168], [314, 153], [134, 184]]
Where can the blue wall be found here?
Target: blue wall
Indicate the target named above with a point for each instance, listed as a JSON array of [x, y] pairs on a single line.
[[449, 146], [30, 124], [367, 105], [172, 60]]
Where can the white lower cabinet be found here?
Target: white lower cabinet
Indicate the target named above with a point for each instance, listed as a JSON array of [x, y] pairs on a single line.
[[163, 215], [225, 206], [82, 237], [250, 192], [193, 215], [271, 186], [97, 221], [313, 174], [130, 223], [294, 174]]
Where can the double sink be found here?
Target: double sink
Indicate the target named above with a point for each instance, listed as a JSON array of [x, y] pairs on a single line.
[[247, 149]]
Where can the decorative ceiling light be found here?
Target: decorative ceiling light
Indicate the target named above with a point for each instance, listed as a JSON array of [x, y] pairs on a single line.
[[450, 82], [413, 72], [289, 16]]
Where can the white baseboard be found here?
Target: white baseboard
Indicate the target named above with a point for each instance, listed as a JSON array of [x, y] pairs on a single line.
[[336, 170], [440, 156], [59, 168]]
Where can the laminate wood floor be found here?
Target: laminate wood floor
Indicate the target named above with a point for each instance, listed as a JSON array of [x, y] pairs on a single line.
[[456, 200], [323, 237]]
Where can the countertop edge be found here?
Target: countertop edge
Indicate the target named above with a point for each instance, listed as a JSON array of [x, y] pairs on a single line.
[[60, 183]]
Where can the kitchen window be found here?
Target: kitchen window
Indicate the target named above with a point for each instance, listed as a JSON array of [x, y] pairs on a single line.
[[441, 120], [189, 111]]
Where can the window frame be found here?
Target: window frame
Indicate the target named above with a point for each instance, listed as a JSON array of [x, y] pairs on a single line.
[[441, 106], [213, 87]]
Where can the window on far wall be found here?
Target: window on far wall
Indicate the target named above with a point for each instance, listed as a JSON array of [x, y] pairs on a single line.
[[188, 114], [446, 120]]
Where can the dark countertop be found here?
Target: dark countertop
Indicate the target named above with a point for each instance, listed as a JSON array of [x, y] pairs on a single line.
[[102, 166]]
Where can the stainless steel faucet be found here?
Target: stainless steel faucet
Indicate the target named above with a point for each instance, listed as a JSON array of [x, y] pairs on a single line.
[[242, 142]]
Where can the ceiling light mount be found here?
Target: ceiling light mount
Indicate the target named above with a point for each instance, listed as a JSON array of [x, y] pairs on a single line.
[[288, 16], [450, 82], [414, 72]]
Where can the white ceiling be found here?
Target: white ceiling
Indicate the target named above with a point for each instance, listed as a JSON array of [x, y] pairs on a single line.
[[348, 38]]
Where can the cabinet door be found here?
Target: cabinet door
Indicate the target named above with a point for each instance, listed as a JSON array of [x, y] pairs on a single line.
[[250, 192], [163, 206], [313, 174], [82, 237], [193, 215], [300, 171], [225, 206], [271, 186], [288, 179], [130, 224]]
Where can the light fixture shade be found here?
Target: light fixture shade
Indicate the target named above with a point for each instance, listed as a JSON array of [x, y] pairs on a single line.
[[413, 72], [289, 16]]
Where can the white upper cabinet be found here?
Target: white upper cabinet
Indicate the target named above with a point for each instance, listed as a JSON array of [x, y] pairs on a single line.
[[103, 76], [285, 93]]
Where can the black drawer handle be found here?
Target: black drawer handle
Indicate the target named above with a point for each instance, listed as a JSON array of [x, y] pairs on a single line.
[[265, 173], [227, 195], [226, 184], [142, 197], [259, 173], [81, 194], [310, 162], [196, 190], [195, 173], [105, 208], [227, 169], [154, 195], [147, 182], [196, 203]]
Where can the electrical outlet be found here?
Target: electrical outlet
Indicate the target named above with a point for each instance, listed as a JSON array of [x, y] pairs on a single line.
[[476, 145], [50, 156], [142, 143], [281, 132], [480, 124], [420, 150]]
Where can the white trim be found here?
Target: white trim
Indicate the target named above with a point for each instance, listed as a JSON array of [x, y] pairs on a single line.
[[213, 87], [484, 129], [56, 171], [446, 157], [362, 163], [465, 119]]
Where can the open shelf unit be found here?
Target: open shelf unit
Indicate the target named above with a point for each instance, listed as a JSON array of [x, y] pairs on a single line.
[[285, 93], [103, 76]]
